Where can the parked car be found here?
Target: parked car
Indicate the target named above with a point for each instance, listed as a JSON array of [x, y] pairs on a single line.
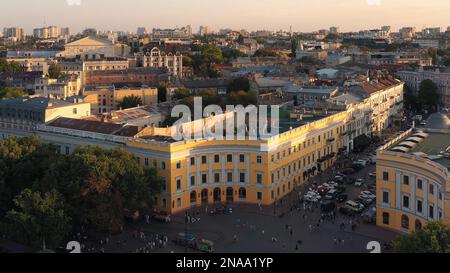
[[331, 195], [340, 189], [367, 194], [338, 179], [370, 216], [354, 206], [374, 174], [359, 182], [364, 202], [350, 180], [162, 216], [322, 190]]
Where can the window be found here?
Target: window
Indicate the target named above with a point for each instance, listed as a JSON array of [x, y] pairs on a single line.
[[216, 158], [419, 206], [431, 212], [405, 222], [192, 161], [273, 177], [259, 196], [431, 189], [241, 158], [179, 165], [163, 165], [385, 176], [217, 177], [385, 197], [385, 218], [405, 180], [259, 178], [419, 184], [259, 159], [204, 160], [229, 177], [229, 158], [406, 201], [74, 111], [242, 177], [155, 164], [204, 178], [178, 184], [179, 202], [272, 158], [67, 150], [146, 161]]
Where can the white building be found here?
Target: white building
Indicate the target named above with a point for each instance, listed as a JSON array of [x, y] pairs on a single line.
[[173, 62]]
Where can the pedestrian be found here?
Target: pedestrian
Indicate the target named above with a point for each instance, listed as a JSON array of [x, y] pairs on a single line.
[[147, 219], [262, 232], [335, 241], [235, 238], [206, 210], [296, 247], [291, 232], [310, 228]]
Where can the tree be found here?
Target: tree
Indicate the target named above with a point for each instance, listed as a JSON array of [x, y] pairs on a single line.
[[434, 238], [181, 93], [432, 52], [38, 219], [428, 95], [264, 53], [11, 92], [294, 47], [242, 98], [162, 92], [361, 142], [6, 66], [238, 84], [232, 54], [130, 102], [187, 61], [54, 72], [240, 39]]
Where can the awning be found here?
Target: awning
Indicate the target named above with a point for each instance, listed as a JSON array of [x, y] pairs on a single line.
[[400, 149]]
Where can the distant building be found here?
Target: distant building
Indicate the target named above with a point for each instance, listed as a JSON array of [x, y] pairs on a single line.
[[217, 86], [24, 80], [334, 30], [104, 99], [19, 117], [171, 61], [441, 78], [58, 89], [141, 31], [149, 76], [50, 32], [16, 33], [184, 32], [203, 30], [94, 48]]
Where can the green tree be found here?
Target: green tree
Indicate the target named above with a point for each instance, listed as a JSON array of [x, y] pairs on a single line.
[[434, 238], [181, 93], [187, 61], [162, 92], [238, 84], [294, 46], [11, 92], [242, 98], [428, 94], [6, 66], [264, 53], [432, 52], [130, 102], [54, 72], [361, 142], [38, 219], [240, 39]]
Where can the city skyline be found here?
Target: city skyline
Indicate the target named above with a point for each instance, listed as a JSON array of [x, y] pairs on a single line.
[[251, 15]]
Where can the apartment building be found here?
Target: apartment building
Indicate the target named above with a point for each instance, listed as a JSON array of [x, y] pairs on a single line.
[[169, 60], [19, 117], [150, 76], [440, 77], [58, 88]]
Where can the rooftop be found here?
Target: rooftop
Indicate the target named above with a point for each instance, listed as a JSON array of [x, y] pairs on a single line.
[[95, 127], [39, 103]]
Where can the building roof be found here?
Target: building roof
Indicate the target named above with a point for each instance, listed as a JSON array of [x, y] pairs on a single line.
[[208, 83], [36, 103], [438, 121], [96, 127], [90, 41]]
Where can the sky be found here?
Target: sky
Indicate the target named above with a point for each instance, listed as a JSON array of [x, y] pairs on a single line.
[[302, 15]]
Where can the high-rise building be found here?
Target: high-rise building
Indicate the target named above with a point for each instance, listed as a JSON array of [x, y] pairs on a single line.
[[14, 32], [141, 31], [203, 30], [334, 30]]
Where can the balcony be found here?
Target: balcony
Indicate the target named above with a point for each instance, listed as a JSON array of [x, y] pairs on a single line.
[[331, 139]]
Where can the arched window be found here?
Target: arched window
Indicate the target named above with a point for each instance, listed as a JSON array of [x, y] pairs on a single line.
[[405, 222], [242, 193], [418, 225]]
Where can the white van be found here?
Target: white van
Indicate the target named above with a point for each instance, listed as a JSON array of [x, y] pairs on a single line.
[[353, 206]]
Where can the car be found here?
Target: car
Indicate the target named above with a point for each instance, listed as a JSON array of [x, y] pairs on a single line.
[[359, 182], [312, 196], [368, 194], [322, 190], [370, 215], [330, 195], [354, 206], [333, 184], [364, 202], [374, 174], [338, 178], [161, 216], [361, 162], [423, 123], [341, 198], [328, 185]]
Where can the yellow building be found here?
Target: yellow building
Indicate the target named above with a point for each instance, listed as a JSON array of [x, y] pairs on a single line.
[[413, 180], [58, 89], [206, 171], [104, 99]]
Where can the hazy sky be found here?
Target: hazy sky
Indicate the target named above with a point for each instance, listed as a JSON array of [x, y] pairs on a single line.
[[303, 15]]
